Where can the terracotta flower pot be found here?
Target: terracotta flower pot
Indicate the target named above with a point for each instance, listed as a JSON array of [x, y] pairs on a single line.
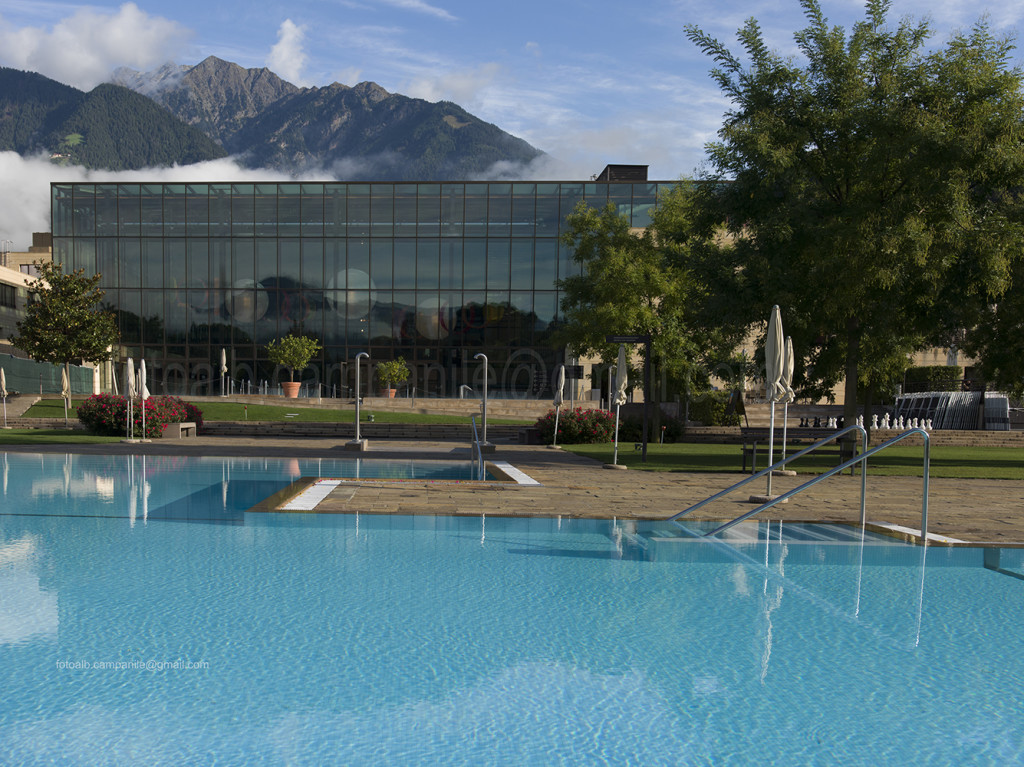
[[291, 389]]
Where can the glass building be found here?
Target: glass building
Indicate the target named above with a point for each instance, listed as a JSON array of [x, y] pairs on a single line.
[[432, 272]]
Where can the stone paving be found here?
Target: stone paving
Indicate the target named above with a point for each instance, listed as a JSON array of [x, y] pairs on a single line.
[[971, 510]]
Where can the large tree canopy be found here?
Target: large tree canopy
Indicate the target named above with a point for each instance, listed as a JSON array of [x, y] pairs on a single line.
[[871, 188], [997, 337], [633, 284], [64, 323]]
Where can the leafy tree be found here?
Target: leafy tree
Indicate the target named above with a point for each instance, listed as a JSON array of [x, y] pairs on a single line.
[[392, 371], [630, 285], [64, 322], [873, 188], [294, 352], [997, 337]]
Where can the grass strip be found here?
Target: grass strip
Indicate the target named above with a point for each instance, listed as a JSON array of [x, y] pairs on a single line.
[[897, 461], [52, 437], [237, 411]]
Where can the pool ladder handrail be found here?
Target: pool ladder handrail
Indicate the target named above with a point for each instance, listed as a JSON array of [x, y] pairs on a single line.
[[861, 459], [478, 457], [824, 441]]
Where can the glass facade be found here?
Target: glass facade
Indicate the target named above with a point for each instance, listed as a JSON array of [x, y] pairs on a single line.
[[432, 272]]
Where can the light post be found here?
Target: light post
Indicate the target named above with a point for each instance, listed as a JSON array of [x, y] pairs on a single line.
[[357, 443], [484, 406]]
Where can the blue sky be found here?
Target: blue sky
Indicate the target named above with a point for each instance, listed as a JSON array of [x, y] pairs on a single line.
[[588, 82]]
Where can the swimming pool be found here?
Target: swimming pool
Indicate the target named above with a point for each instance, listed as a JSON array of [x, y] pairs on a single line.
[[359, 639], [216, 489]]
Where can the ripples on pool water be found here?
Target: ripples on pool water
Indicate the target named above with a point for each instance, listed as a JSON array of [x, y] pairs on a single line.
[[363, 639]]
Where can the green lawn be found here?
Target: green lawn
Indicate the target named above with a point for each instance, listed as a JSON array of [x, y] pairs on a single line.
[[900, 460], [51, 437], [236, 411]]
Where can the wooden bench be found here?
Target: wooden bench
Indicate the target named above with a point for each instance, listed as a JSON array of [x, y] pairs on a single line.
[[529, 435], [756, 441], [179, 430]]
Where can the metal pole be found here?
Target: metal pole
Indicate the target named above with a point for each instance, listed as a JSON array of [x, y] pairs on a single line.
[[615, 453], [484, 407], [647, 396], [361, 354], [785, 426], [771, 446], [924, 503]]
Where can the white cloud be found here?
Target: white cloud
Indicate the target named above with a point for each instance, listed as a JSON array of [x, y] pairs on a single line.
[[83, 49], [25, 195], [462, 86], [420, 7], [288, 58], [383, 47], [542, 168], [348, 76]]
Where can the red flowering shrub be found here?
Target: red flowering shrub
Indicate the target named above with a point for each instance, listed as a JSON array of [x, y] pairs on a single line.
[[577, 426], [107, 414]]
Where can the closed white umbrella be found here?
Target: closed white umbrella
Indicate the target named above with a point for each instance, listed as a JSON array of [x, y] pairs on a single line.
[[3, 393], [559, 399], [130, 388], [788, 395], [619, 395], [223, 371], [143, 393], [774, 356], [129, 393], [65, 392]]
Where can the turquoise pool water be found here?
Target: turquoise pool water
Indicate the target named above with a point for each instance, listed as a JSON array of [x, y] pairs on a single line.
[[361, 639], [183, 488]]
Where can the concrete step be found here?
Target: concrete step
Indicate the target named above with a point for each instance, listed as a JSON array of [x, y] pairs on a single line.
[[496, 408], [346, 431], [952, 437]]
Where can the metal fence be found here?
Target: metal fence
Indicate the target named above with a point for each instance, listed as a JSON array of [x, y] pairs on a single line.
[[31, 377], [957, 410]]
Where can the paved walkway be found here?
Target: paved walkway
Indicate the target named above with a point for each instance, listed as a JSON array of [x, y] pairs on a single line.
[[971, 510]]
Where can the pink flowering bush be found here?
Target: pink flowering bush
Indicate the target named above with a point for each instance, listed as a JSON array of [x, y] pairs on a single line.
[[107, 414], [577, 426]]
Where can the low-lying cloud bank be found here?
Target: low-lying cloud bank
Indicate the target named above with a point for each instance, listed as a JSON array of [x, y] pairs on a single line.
[[25, 194]]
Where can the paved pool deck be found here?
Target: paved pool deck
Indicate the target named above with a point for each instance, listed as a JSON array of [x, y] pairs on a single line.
[[572, 486]]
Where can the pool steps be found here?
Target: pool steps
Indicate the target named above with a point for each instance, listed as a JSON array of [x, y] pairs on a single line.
[[772, 500]]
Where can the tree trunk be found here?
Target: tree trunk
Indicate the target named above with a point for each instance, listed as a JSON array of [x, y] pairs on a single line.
[[852, 363], [869, 401]]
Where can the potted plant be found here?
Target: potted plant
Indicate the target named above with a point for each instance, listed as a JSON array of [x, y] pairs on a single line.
[[392, 372], [294, 352]]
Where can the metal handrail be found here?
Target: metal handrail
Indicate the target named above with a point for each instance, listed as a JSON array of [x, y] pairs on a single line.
[[862, 460], [479, 457], [779, 464]]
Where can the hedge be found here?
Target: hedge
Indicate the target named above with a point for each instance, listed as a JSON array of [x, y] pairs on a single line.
[[106, 414], [577, 426]]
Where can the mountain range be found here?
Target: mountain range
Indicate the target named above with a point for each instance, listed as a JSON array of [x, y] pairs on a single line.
[[185, 114], [108, 127]]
